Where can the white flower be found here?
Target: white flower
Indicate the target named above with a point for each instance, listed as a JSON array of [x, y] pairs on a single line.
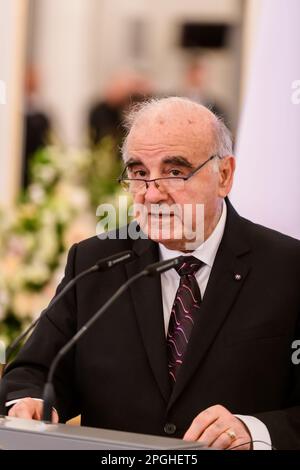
[[74, 196], [28, 304], [47, 174], [47, 246], [83, 226], [11, 267], [35, 273], [16, 245], [36, 193], [4, 300]]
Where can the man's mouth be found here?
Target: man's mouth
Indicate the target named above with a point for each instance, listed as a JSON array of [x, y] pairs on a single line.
[[161, 215]]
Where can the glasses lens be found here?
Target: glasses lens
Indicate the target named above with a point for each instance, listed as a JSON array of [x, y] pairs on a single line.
[[124, 184], [133, 186], [171, 184], [164, 184]]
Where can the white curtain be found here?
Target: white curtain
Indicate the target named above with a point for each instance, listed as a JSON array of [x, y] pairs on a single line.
[[267, 183]]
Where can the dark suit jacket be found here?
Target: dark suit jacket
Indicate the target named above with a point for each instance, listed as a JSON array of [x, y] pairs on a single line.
[[239, 354]]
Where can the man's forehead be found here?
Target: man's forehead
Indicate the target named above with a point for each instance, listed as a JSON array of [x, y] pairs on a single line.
[[172, 116], [181, 139], [185, 125]]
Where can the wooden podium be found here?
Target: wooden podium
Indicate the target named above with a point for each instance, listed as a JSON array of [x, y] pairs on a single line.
[[21, 434]]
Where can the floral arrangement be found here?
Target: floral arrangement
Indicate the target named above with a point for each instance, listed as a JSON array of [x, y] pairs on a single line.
[[57, 210]]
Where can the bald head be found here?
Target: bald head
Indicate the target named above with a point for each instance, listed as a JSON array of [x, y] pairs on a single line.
[[181, 119]]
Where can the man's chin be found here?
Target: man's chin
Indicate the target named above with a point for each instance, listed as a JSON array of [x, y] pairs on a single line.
[[159, 236], [170, 235], [177, 244]]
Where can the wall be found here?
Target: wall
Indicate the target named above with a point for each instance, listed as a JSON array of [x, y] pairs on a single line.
[[12, 40]]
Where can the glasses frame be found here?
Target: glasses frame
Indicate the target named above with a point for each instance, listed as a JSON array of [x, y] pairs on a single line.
[[154, 180]]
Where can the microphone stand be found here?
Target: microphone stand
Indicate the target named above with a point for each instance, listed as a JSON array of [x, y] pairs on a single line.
[[49, 392]]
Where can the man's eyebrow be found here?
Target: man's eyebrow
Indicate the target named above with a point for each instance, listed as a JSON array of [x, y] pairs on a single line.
[[132, 162], [171, 160], [178, 160]]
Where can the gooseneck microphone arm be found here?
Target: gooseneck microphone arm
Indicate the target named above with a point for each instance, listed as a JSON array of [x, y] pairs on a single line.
[[11, 348], [49, 392], [101, 265]]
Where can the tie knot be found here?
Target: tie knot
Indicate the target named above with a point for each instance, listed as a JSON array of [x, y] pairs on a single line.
[[189, 265]]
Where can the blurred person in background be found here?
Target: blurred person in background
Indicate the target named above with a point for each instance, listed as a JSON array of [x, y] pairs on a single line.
[[105, 116], [195, 80], [37, 123]]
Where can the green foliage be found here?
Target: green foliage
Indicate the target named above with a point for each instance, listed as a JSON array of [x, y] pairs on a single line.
[[104, 168], [57, 210]]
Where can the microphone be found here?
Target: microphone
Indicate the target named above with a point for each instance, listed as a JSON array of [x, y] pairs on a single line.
[[49, 392], [101, 265]]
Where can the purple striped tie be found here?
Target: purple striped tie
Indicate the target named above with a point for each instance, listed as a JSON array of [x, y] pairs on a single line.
[[186, 304]]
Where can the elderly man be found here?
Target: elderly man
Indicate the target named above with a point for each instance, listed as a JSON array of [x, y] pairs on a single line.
[[202, 353]]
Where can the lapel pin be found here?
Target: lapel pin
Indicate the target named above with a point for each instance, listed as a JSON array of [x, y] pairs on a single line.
[[237, 277]]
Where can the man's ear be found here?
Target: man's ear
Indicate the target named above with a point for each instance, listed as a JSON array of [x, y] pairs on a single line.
[[226, 172]]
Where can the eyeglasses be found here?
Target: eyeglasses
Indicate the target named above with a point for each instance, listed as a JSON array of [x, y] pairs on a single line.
[[167, 184]]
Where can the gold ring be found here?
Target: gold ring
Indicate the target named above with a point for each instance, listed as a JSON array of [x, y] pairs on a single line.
[[230, 433]]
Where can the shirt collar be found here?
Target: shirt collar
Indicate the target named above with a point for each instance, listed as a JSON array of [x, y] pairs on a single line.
[[207, 251]]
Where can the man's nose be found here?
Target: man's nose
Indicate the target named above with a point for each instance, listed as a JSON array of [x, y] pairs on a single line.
[[155, 194]]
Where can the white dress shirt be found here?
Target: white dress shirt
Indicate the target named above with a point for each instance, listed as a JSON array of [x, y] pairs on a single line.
[[206, 253]]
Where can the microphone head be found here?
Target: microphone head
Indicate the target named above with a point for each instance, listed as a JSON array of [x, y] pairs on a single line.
[[162, 266], [114, 260]]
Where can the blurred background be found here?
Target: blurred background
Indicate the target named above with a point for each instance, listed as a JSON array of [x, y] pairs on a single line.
[[69, 69]]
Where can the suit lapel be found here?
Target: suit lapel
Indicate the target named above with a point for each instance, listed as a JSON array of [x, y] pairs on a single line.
[[226, 280], [147, 300]]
